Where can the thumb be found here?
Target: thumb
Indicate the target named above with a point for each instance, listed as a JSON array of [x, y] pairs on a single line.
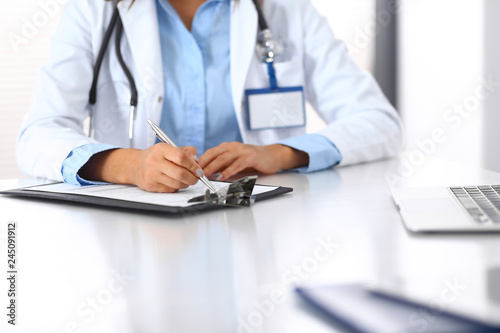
[[191, 151]]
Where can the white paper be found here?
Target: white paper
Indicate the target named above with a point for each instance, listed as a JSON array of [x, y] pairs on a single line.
[[135, 194]]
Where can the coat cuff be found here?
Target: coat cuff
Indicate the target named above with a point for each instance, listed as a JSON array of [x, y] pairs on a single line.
[[322, 152], [77, 158]]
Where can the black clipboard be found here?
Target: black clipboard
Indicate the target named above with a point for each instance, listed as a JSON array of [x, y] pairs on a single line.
[[125, 204]]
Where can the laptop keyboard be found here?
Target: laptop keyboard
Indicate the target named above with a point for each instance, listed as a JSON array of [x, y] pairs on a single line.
[[482, 202]]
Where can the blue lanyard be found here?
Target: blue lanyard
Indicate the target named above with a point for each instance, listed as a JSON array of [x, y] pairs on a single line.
[[272, 76]]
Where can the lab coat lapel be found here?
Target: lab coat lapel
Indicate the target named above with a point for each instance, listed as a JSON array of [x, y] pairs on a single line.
[[244, 22], [140, 24]]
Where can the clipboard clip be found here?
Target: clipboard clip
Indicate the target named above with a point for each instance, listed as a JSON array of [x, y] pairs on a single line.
[[236, 194]]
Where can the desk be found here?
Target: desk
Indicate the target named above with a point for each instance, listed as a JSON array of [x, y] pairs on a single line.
[[96, 270]]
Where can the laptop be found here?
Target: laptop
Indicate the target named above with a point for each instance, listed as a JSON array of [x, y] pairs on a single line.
[[450, 209]]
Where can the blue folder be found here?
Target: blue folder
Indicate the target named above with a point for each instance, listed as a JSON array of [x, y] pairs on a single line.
[[357, 309]]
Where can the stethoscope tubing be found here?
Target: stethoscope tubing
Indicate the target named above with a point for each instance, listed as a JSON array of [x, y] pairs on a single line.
[[97, 67], [134, 96], [262, 20]]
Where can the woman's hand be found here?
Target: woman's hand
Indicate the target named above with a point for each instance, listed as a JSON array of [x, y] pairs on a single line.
[[164, 168], [232, 158], [159, 168]]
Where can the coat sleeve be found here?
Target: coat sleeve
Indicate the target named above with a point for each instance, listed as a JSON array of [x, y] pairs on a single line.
[[361, 122], [53, 126]]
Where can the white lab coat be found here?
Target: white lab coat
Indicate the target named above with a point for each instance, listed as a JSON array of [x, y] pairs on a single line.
[[361, 122]]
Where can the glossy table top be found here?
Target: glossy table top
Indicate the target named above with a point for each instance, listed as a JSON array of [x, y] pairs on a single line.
[[88, 269]]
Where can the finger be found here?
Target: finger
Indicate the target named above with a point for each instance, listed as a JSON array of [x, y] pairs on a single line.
[[158, 181], [181, 159], [215, 176], [177, 176], [237, 166], [158, 188], [154, 185], [174, 183], [210, 155], [191, 151], [221, 162]]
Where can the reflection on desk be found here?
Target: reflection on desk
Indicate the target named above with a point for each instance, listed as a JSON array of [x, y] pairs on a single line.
[[98, 270]]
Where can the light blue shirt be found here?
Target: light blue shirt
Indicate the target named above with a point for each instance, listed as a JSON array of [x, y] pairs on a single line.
[[198, 109]]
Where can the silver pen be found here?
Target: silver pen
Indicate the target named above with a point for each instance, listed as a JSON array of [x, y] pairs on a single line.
[[164, 138]]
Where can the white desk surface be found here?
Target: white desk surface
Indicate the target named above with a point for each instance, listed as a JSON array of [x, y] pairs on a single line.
[[219, 271]]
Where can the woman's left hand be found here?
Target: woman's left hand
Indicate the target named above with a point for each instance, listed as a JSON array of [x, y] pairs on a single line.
[[234, 157]]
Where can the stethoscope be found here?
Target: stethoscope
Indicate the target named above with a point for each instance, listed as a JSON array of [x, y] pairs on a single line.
[[267, 49]]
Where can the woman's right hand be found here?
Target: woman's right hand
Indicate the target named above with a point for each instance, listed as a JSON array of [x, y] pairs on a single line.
[[159, 168]]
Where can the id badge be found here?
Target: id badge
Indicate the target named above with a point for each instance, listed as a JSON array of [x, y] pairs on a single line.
[[275, 108]]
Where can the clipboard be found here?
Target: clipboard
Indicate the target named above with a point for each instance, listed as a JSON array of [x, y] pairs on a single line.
[[132, 197]]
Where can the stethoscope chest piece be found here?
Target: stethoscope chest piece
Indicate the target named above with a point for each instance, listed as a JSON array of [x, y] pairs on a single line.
[[267, 47]]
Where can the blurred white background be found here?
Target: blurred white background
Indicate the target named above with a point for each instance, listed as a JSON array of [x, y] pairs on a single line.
[[441, 64], [446, 49], [20, 59]]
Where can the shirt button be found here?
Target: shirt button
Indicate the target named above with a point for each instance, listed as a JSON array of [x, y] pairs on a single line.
[[196, 108], [160, 99]]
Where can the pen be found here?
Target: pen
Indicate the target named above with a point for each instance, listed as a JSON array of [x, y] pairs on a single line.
[[164, 138]]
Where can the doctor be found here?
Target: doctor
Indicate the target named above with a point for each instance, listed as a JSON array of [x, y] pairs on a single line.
[[199, 77]]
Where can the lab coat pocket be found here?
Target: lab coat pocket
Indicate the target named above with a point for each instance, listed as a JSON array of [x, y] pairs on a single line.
[[111, 113]]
